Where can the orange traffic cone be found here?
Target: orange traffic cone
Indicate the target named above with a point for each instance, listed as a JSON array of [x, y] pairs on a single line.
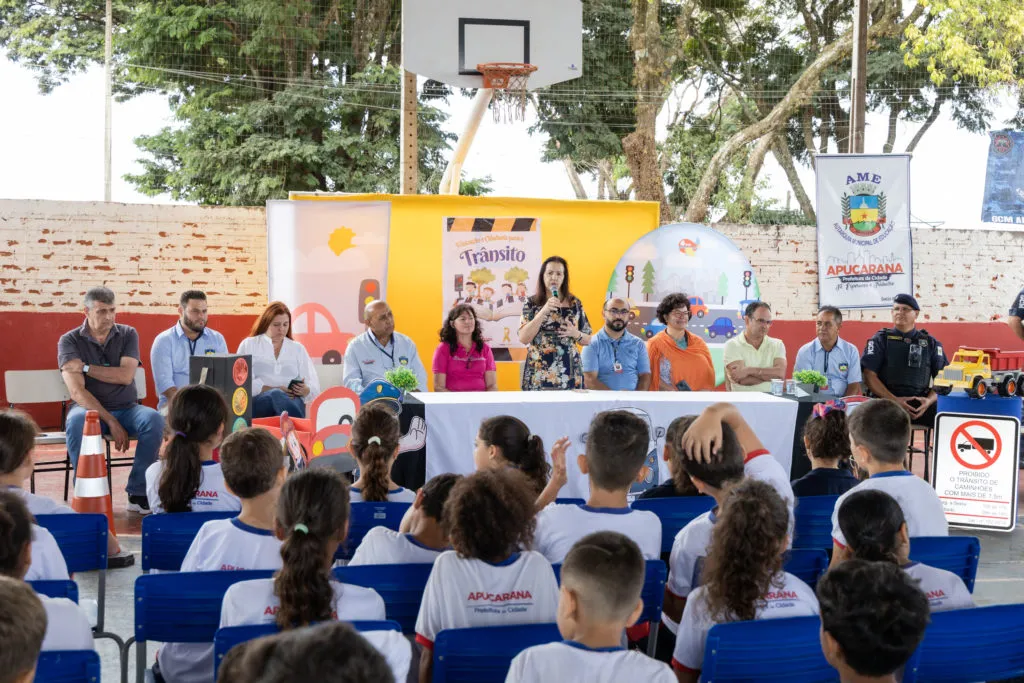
[[92, 493]]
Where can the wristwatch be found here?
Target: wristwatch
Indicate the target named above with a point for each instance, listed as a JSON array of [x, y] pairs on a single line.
[[85, 369]]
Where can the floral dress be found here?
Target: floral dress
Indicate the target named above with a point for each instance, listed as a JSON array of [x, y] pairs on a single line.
[[553, 362]]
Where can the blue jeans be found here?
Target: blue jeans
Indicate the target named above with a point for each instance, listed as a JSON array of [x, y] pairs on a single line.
[[145, 424], [274, 402]]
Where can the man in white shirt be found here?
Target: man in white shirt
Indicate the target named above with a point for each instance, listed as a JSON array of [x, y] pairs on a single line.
[[753, 359], [380, 349], [172, 348]]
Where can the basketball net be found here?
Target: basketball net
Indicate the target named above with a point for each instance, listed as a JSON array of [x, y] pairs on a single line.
[[508, 80]]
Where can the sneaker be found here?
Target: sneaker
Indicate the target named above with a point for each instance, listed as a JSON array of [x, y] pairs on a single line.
[[139, 504], [120, 560]]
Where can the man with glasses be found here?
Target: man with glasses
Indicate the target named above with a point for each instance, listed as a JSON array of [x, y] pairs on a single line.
[[616, 360], [836, 358], [900, 362], [753, 359]]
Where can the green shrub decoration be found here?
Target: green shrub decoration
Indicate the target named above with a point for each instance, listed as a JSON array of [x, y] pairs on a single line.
[[403, 378], [811, 377]]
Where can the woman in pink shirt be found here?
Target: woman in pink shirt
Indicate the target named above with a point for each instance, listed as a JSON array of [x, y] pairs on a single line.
[[462, 361]]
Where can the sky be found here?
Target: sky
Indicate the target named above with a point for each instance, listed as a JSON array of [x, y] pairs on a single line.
[[53, 145]]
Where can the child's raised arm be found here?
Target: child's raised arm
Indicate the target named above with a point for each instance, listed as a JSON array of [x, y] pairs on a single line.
[[704, 437]]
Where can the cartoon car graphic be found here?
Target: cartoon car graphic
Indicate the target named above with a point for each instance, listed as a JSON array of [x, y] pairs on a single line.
[[722, 327], [329, 343], [698, 309], [653, 477], [650, 329]]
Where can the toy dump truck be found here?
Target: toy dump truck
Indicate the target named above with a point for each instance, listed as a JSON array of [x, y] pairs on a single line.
[[979, 371]]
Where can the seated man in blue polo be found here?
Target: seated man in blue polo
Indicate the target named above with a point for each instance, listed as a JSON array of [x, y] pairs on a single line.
[[615, 359], [98, 362], [380, 349], [836, 358], [169, 357]]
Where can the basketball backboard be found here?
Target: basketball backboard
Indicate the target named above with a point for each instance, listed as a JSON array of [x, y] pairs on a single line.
[[446, 39]]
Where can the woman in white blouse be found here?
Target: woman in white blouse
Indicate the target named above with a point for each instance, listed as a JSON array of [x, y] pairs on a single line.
[[283, 376]]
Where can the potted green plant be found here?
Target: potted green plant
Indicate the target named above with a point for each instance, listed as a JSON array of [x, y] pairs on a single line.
[[403, 378], [810, 381]]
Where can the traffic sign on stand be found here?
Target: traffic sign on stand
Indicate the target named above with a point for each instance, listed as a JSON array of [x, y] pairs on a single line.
[[976, 460]]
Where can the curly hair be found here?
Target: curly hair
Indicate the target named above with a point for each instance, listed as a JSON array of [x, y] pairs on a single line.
[[745, 558], [449, 336], [312, 513], [522, 450], [671, 303], [490, 515], [195, 415], [828, 437], [871, 521], [436, 493], [375, 458]]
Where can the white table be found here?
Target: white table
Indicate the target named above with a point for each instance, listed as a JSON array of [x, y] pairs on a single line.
[[453, 420]]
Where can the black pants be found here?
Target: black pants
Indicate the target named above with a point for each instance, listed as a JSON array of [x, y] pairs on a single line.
[[927, 419]]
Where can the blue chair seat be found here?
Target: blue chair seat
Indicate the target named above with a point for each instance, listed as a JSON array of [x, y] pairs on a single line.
[[767, 650], [674, 513], [957, 554], [166, 538], [56, 589], [68, 666], [813, 522], [365, 516], [967, 645], [400, 585], [483, 655], [807, 564]]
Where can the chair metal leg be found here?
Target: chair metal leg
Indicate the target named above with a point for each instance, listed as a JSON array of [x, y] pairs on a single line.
[[652, 639], [32, 484], [110, 479], [124, 659], [101, 608], [140, 662], [67, 474]]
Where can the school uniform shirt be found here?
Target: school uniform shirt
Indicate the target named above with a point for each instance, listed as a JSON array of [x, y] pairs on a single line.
[[396, 649], [220, 545], [572, 661], [381, 545], [793, 599], [396, 495], [945, 590], [689, 551], [366, 360], [463, 593], [40, 505], [763, 466], [921, 506], [47, 561], [291, 363], [825, 481], [560, 526], [213, 494], [67, 626], [254, 602]]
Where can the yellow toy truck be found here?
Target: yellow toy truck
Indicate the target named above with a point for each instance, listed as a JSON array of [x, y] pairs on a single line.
[[979, 371]]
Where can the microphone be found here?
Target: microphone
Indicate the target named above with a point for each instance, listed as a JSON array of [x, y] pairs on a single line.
[[554, 292]]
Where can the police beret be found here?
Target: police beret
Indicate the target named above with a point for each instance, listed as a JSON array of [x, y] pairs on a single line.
[[906, 300]]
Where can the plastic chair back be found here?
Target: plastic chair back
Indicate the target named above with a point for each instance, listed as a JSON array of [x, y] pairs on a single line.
[[965, 645], [400, 585], [82, 539], [56, 589], [806, 564], [68, 666], [483, 655], [166, 538], [813, 522], [365, 516], [674, 513], [957, 554], [767, 650]]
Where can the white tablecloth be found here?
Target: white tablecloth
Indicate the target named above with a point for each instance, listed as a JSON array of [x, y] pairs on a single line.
[[453, 420]]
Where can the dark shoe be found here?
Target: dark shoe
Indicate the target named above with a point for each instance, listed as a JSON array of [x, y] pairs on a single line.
[[120, 560], [139, 504]]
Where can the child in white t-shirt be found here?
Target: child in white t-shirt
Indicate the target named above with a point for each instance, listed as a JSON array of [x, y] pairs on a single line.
[[873, 617], [743, 576], [374, 445], [254, 471], [617, 444], [602, 579], [872, 523], [186, 478], [879, 436], [426, 538], [67, 626], [486, 580], [504, 442], [22, 629]]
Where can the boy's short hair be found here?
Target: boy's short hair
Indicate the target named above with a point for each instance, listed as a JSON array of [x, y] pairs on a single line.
[[435, 495], [726, 467], [22, 628], [330, 651], [882, 427], [606, 572], [875, 612], [17, 439], [250, 460], [617, 445]]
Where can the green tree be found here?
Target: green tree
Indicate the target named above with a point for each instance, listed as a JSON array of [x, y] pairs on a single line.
[[613, 281], [723, 286], [647, 283]]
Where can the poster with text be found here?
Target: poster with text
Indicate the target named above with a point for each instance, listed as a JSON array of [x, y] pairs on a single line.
[[326, 261], [492, 265], [864, 244], [1004, 179]]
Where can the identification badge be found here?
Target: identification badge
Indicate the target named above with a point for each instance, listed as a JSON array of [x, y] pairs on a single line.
[[617, 367]]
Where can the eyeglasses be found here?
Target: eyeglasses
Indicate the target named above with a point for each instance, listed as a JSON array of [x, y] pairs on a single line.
[[679, 313], [618, 311], [902, 309], [763, 321], [825, 323]]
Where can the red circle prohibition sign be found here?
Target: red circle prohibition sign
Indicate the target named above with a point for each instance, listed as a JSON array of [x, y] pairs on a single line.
[[989, 455]]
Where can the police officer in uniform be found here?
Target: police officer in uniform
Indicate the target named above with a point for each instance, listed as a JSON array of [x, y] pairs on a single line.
[[1015, 317], [900, 362]]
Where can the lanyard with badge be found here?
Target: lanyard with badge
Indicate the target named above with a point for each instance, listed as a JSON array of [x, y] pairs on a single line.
[[616, 366], [193, 342], [383, 350]]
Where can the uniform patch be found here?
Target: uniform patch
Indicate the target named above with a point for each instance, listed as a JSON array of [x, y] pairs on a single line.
[[843, 367]]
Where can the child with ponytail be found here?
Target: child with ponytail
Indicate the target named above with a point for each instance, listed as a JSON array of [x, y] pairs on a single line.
[[743, 576], [876, 531], [374, 445], [505, 441], [827, 442], [186, 478]]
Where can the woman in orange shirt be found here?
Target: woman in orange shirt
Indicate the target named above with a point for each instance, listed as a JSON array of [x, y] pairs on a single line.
[[676, 355]]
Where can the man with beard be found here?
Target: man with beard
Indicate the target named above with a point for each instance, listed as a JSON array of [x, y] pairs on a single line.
[[172, 348], [616, 360]]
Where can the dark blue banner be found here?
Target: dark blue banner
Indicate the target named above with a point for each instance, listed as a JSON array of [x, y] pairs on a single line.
[[1004, 179]]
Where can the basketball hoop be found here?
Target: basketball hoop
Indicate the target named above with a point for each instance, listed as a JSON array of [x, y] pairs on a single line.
[[508, 80]]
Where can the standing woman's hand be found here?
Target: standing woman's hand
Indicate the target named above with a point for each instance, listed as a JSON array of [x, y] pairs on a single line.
[[552, 305]]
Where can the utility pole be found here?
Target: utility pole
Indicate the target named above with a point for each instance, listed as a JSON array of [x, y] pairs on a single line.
[[108, 52], [858, 84], [410, 181]]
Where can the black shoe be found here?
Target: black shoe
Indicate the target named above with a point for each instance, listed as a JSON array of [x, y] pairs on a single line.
[[120, 560], [139, 504]]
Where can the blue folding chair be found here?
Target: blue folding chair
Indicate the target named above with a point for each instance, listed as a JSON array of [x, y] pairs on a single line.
[[68, 666], [365, 516], [180, 608], [56, 589], [674, 513], [166, 538], [400, 585], [653, 595], [570, 501], [806, 564], [964, 645], [957, 554], [483, 655], [82, 539], [226, 638], [767, 650], [813, 522]]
